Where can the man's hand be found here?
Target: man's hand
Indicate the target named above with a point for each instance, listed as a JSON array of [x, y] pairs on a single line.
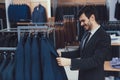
[[63, 61], [59, 52]]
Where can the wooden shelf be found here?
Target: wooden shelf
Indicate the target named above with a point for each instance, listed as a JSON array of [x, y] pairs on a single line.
[[115, 44], [107, 67]]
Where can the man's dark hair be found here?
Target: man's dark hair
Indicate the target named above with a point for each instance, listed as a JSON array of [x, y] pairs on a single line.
[[88, 11]]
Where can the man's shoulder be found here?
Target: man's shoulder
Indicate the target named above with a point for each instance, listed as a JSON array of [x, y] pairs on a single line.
[[101, 32]]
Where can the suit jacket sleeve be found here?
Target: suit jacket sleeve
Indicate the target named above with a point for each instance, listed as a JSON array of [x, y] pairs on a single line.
[[102, 48], [71, 54]]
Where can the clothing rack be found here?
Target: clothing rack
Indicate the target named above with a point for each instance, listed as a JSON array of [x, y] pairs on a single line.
[[43, 23], [114, 22], [68, 17], [21, 29], [8, 48], [36, 28], [115, 25], [9, 30], [117, 32]]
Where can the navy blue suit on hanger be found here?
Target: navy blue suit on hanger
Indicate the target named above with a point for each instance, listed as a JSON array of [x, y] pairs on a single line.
[[8, 72], [36, 68], [19, 66], [51, 70], [2, 67], [39, 14], [28, 59]]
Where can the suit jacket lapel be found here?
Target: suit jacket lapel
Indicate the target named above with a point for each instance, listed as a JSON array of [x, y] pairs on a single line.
[[81, 44], [93, 38]]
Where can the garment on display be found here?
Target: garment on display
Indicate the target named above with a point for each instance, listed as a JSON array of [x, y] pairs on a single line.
[[7, 64], [14, 14], [117, 12], [115, 62], [39, 14], [74, 9], [37, 55]]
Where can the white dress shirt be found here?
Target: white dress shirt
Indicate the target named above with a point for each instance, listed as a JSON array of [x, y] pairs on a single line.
[[93, 31]]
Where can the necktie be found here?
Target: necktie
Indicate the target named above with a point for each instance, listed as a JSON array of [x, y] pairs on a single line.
[[86, 39]]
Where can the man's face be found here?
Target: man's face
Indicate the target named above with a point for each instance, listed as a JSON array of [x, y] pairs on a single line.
[[85, 22]]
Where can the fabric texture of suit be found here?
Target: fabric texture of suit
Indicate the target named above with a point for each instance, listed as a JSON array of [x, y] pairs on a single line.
[[14, 12], [9, 73], [36, 60], [36, 68], [51, 70], [117, 12], [28, 59], [19, 63], [2, 67], [92, 57], [39, 14]]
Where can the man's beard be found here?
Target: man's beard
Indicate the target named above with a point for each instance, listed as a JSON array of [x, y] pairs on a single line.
[[89, 25]]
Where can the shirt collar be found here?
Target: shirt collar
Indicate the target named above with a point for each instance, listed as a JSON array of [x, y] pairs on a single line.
[[94, 30]]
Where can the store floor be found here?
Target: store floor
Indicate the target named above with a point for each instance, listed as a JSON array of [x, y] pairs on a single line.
[[72, 75]]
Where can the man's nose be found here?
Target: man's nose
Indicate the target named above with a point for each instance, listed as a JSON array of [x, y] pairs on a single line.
[[81, 23]]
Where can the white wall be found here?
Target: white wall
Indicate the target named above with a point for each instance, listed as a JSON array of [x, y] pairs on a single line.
[[111, 4], [7, 3]]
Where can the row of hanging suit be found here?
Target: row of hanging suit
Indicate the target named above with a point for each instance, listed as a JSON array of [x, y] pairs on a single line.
[[8, 39], [37, 16], [7, 65], [36, 59], [117, 12], [74, 10]]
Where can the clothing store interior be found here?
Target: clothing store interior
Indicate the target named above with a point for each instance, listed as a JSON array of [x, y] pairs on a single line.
[[32, 30]]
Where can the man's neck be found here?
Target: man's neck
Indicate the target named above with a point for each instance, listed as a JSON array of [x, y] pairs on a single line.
[[95, 25]]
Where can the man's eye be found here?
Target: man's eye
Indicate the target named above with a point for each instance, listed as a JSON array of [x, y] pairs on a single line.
[[82, 20]]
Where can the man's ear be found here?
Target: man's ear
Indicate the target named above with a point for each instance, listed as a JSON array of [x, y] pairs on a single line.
[[92, 17]]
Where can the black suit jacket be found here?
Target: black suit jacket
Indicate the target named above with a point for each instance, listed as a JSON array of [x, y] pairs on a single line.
[[92, 57]]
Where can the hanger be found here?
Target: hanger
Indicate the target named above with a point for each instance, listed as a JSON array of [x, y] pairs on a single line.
[[12, 55], [5, 55]]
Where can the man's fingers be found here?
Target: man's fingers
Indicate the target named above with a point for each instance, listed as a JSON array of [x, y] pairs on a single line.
[[59, 61]]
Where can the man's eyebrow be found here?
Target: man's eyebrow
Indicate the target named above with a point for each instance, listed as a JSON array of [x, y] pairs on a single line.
[[82, 20]]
